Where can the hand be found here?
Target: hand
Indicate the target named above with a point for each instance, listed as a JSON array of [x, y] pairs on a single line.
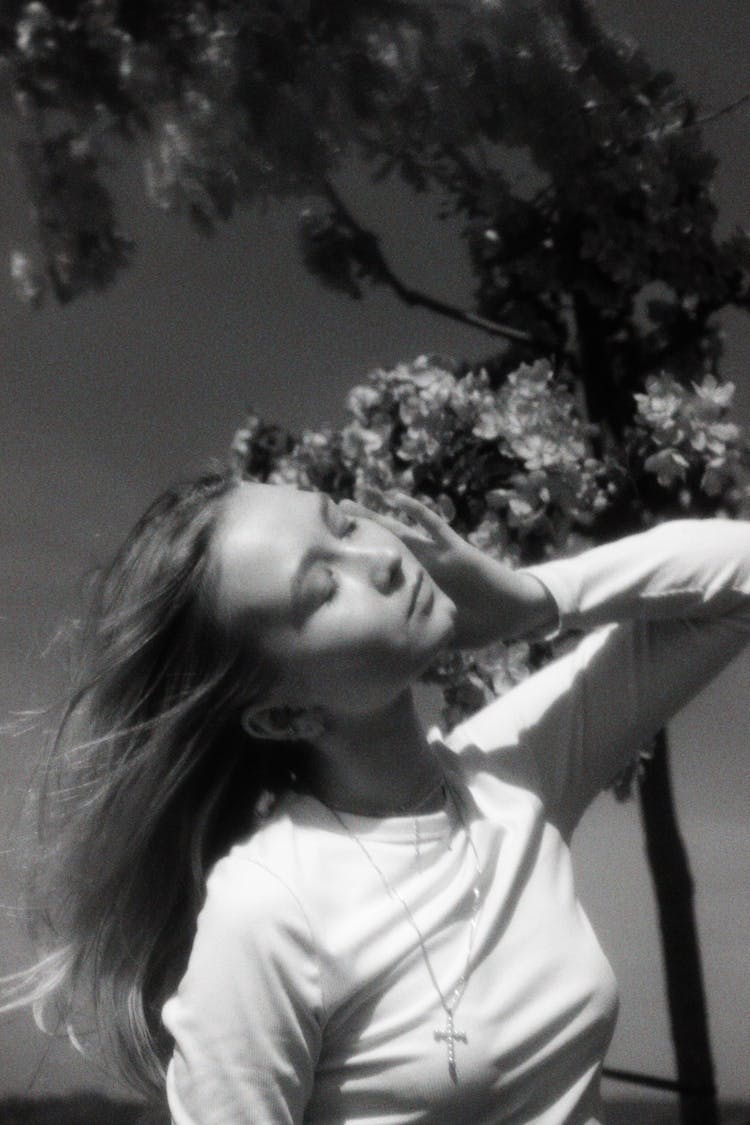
[[493, 601]]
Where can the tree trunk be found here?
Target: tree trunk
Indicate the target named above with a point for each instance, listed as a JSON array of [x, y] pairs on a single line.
[[673, 886]]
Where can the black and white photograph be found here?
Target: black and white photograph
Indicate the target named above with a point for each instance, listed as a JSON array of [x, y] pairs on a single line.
[[375, 548]]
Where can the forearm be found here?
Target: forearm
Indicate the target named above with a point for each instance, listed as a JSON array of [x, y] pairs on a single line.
[[674, 607], [691, 569]]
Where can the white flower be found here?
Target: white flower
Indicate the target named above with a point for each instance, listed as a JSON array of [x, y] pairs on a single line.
[[667, 466], [28, 282]]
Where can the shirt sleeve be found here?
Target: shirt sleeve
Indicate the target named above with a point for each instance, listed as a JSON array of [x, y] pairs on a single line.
[[247, 1016], [668, 608]]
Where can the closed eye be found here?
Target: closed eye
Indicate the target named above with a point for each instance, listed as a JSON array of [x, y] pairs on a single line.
[[322, 585], [343, 531]]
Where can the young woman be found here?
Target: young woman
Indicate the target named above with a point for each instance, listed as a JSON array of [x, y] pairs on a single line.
[[387, 927]]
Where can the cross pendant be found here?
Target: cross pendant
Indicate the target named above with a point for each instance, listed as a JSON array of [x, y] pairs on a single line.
[[450, 1035]]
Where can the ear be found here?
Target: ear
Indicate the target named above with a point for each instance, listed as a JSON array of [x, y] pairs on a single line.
[[282, 723]]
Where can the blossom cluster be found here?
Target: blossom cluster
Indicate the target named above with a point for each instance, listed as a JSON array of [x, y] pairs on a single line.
[[509, 465], [684, 439]]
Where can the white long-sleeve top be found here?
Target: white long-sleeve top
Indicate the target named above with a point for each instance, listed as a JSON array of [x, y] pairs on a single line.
[[307, 997]]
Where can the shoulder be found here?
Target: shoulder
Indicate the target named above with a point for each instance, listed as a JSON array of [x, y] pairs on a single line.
[[257, 890]]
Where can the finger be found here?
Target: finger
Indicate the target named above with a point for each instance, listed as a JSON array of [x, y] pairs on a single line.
[[354, 508], [398, 527], [404, 531], [434, 523]]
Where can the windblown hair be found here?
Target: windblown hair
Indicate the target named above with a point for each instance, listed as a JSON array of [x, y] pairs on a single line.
[[148, 781]]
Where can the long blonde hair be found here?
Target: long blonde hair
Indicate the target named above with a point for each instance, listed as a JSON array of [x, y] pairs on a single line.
[[148, 780]]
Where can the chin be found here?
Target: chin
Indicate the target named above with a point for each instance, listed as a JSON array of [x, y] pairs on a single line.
[[441, 626], [445, 613]]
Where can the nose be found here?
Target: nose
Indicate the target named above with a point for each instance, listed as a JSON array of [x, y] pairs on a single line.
[[391, 570]]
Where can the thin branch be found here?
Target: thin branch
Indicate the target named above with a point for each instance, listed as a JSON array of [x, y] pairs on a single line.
[[722, 112], [385, 275], [699, 122]]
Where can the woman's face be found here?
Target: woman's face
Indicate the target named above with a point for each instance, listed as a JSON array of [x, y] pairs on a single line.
[[337, 603]]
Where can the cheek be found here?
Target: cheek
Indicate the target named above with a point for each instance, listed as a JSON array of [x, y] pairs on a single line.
[[366, 649], [385, 638], [358, 620]]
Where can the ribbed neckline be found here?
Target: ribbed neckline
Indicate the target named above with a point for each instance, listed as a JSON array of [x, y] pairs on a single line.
[[394, 829]]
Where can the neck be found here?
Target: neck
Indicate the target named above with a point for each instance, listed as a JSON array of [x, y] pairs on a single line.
[[378, 764]]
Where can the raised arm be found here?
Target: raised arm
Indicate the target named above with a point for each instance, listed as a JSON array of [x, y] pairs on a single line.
[[670, 607], [246, 1018]]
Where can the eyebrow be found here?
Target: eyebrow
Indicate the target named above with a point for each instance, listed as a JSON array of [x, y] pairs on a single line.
[[310, 557]]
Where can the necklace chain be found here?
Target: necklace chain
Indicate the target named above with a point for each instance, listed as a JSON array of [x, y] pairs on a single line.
[[406, 807], [450, 1036]]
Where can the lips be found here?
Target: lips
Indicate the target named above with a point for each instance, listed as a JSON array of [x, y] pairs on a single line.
[[415, 592]]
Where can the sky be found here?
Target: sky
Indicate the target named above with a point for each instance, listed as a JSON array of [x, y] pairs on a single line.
[[106, 401]]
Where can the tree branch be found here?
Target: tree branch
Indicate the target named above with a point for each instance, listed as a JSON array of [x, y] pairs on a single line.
[[383, 273], [722, 112], [706, 119]]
